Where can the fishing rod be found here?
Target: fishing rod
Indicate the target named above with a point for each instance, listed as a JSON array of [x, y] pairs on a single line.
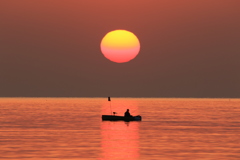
[[109, 99]]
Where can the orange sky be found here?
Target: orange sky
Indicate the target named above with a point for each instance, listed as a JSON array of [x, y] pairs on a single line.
[[188, 48]]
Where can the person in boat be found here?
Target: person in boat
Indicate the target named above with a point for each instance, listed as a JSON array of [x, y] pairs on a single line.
[[127, 114]]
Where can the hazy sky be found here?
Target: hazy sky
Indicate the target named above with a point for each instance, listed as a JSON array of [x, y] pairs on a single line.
[[189, 48]]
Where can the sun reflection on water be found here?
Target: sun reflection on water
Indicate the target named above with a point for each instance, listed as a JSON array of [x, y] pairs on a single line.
[[120, 140]]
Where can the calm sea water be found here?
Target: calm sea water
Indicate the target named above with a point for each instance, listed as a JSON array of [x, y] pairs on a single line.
[[71, 128]]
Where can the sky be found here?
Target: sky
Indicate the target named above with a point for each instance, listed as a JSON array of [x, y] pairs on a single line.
[[51, 48]]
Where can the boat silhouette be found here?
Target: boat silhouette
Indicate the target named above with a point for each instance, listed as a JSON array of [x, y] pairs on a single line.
[[115, 117], [121, 118]]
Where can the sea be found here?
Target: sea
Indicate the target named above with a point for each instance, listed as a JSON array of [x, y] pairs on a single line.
[[72, 129]]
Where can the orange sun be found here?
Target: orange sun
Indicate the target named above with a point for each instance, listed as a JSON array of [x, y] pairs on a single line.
[[120, 46]]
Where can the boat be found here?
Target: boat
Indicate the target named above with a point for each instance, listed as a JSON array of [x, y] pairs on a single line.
[[121, 118]]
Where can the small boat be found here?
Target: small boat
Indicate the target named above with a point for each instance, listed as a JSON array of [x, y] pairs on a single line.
[[120, 118]]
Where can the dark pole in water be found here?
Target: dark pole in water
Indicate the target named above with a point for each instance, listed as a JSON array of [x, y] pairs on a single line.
[[109, 99]]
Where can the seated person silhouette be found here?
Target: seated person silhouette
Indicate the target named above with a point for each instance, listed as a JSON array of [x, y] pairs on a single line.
[[127, 114]]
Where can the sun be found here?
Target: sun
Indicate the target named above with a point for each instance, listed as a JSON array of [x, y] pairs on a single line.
[[120, 46]]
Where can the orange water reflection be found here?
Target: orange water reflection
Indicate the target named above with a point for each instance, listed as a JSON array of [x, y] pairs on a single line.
[[120, 140]]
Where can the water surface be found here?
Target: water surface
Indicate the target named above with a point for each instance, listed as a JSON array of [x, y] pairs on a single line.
[[71, 128]]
